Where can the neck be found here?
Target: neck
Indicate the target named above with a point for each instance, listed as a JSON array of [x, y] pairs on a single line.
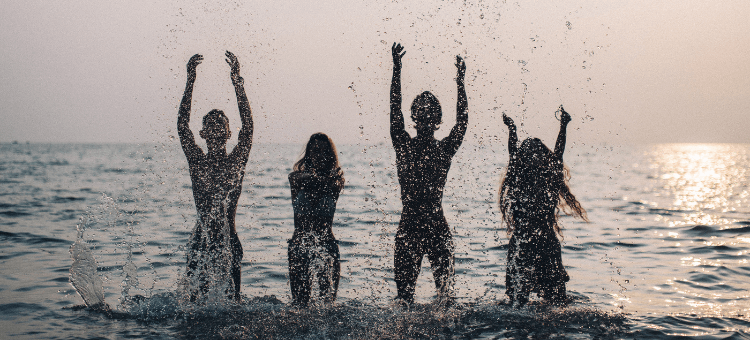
[[426, 134], [216, 149]]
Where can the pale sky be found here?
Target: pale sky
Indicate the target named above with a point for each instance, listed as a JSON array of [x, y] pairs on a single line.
[[627, 71]]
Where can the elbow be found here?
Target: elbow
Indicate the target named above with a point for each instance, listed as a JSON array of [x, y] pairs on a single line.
[[246, 135]]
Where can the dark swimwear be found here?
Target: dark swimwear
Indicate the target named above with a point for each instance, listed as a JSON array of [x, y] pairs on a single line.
[[308, 256], [422, 164], [535, 264], [420, 235], [214, 250], [534, 251], [313, 250], [205, 255], [422, 171]]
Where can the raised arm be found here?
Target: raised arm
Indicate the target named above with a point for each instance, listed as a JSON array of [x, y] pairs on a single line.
[[398, 133], [560, 145], [332, 182], [512, 136], [245, 137], [456, 136], [192, 151]]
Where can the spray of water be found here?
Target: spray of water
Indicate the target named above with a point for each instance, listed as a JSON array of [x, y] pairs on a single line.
[[83, 273]]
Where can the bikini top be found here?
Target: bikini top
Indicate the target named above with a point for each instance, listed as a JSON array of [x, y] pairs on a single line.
[[308, 203], [315, 195]]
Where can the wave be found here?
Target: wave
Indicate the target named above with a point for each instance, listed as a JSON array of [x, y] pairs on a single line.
[[268, 317]]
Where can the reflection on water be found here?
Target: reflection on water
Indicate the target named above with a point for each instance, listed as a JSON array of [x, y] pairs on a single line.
[[696, 203], [666, 252], [703, 180]]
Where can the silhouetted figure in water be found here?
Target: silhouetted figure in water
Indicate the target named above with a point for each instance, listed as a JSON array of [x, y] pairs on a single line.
[[423, 165], [214, 250], [532, 193], [316, 182]]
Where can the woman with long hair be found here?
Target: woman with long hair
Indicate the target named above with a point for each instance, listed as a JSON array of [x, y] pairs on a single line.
[[316, 181], [533, 192]]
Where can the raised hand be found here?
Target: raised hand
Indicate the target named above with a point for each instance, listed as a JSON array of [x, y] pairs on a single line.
[[398, 52], [461, 68], [234, 64], [193, 64], [564, 116], [509, 122]]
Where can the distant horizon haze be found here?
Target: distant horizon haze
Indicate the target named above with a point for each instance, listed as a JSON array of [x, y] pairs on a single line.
[[628, 72]]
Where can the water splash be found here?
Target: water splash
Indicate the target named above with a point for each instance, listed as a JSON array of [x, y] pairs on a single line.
[[83, 273], [212, 253], [208, 276]]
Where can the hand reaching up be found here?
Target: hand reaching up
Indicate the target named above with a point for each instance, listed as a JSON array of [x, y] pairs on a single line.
[[461, 68], [564, 116], [509, 122], [398, 52], [234, 64], [192, 65]]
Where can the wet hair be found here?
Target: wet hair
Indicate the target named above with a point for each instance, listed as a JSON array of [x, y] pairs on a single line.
[[535, 173], [425, 109], [211, 123], [328, 156], [213, 116]]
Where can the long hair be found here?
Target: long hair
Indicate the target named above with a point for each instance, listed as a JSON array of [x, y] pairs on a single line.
[[322, 161], [535, 177]]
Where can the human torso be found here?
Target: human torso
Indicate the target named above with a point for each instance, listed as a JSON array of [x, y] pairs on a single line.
[[314, 201], [422, 167], [217, 185]]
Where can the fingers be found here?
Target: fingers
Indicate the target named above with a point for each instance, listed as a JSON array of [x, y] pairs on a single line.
[[193, 62], [508, 121], [196, 58], [461, 66], [231, 58], [397, 50], [564, 116]]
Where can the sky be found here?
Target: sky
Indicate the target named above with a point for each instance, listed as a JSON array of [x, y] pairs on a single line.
[[628, 71]]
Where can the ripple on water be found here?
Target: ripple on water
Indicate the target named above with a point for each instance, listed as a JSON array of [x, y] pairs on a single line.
[[268, 317]]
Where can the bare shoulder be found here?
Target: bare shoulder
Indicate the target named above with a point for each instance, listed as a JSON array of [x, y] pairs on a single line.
[[299, 175]]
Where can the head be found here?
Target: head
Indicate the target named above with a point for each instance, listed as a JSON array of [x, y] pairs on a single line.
[[320, 155], [537, 172], [534, 156], [426, 112], [215, 128]]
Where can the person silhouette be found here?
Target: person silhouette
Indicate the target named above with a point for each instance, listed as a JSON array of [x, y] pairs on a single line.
[[214, 251], [316, 181], [532, 191], [422, 163]]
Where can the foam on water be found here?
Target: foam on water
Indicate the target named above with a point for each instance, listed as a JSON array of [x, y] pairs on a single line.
[[268, 317]]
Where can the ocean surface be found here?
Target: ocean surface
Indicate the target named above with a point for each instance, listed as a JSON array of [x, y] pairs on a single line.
[[666, 254]]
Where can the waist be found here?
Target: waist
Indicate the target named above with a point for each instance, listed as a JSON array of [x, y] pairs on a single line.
[[305, 205], [311, 236], [423, 207]]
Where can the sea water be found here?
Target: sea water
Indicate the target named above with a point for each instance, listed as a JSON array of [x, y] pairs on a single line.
[[665, 253]]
